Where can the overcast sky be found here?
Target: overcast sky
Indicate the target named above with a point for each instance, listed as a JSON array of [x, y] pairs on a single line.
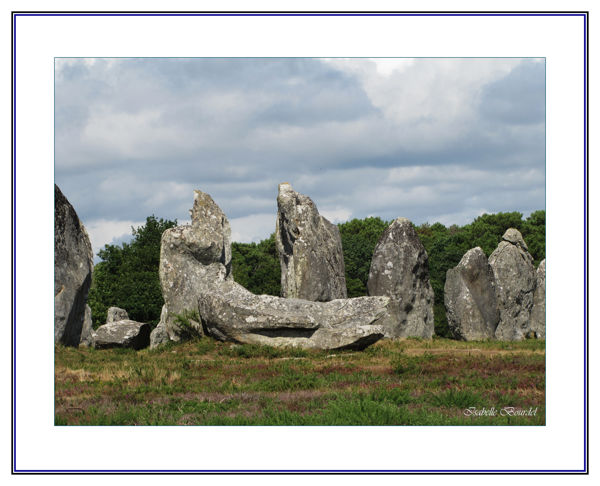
[[428, 139]]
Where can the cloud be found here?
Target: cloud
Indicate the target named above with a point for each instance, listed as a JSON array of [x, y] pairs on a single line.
[[428, 139], [104, 232]]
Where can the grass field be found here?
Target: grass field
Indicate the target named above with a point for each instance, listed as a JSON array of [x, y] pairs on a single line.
[[204, 382]]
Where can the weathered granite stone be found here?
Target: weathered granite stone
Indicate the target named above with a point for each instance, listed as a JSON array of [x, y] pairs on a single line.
[[87, 330], [232, 313], [196, 281], [470, 298], [515, 284], [159, 334], [400, 270], [186, 254], [116, 314], [537, 320], [122, 334], [310, 249], [73, 264]]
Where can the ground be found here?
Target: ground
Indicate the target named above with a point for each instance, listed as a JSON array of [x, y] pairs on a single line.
[[402, 382]]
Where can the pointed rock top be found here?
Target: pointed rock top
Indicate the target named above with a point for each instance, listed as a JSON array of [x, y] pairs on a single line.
[[401, 220], [514, 236], [285, 187]]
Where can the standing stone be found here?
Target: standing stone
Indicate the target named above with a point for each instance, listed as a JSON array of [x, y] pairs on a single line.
[[87, 330], [470, 298], [187, 254], [537, 321], [515, 284], [73, 264], [400, 270], [310, 250]]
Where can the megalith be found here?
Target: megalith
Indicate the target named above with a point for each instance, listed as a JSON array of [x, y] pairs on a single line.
[[515, 280], [188, 254], [470, 298], [400, 270], [124, 333], [73, 265], [201, 297], [310, 249], [537, 321]]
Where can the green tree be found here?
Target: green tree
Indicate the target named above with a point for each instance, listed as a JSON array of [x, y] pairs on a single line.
[[127, 276], [256, 266]]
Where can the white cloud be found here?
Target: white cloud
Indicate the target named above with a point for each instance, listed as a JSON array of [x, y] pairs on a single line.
[[252, 228], [336, 215]]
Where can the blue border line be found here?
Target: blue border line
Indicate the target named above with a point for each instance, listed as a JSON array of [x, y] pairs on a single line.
[[282, 14]]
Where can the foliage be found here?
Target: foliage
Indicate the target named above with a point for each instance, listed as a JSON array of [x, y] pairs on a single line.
[[256, 266], [359, 237], [127, 276]]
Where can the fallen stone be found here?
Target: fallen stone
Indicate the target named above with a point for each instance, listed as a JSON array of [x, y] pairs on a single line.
[[87, 330], [515, 280], [310, 249], [232, 313], [115, 314], [400, 270], [122, 334], [537, 320], [73, 265], [470, 298]]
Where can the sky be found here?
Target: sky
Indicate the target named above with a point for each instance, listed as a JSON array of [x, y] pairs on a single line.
[[432, 140]]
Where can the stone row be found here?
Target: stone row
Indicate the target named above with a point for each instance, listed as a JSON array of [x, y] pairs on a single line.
[[502, 297]]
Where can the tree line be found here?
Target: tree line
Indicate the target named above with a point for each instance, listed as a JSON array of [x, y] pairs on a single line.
[[127, 275]]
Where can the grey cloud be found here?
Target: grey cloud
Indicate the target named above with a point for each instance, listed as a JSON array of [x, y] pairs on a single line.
[[135, 136]]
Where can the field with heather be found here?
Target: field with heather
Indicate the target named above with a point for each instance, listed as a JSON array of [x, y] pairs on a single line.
[[401, 382]]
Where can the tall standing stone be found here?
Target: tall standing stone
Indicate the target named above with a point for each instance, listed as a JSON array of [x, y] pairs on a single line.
[[187, 254], [310, 250], [537, 321], [470, 298], [73, 265], [515, 284], [400, 270]]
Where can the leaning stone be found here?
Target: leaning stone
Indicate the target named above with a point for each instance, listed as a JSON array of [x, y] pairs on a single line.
[[122, 334], [310, 249], [232, 313], [470, 298], [537, 321], [186, 255], [87, 331], [515, 284], [400, 270], [73, 264], [116, 314]]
